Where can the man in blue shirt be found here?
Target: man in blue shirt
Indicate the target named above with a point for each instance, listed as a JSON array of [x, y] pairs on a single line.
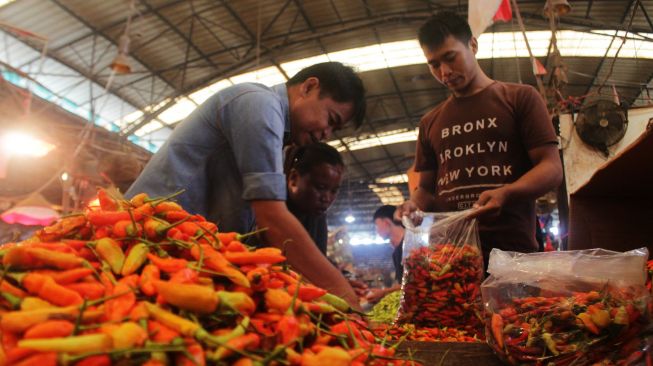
[[227, 157]]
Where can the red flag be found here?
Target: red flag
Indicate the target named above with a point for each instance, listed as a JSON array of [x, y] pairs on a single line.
[[504, 13], [482, 13]]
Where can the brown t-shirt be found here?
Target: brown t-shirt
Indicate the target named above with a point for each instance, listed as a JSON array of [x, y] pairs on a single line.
[[481, 142]]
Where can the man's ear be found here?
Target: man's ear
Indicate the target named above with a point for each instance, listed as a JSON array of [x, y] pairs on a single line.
[[309, 85], [293, 179], [473, 44]]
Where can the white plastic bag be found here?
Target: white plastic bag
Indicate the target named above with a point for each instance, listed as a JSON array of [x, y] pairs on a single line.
[[565, 308], [443, 269]]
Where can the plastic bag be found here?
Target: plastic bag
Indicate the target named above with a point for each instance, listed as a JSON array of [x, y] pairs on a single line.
[[443, 269], [564, 308]]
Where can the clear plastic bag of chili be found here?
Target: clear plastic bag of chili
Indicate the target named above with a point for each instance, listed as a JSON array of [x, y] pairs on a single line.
[[443, 270], [566, 308]]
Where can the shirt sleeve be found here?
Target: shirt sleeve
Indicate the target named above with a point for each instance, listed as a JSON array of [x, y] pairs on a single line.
[[536, 128], [425, 158], [254, 124]]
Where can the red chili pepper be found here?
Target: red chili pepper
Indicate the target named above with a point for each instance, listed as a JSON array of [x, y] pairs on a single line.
[[97, 360], [306, 292], [107, 203]]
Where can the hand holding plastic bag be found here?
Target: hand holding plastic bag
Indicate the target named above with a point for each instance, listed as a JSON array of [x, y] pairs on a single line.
[[443, 269]]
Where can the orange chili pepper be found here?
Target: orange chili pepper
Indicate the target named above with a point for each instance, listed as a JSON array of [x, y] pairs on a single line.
[[11, 289], [30, 258], [50, 329], [127, 229], [88, 290], [258, 278], [39, 359], [196, 351], [168, 264], [215, 261], [120, 306], [149, 274], [178, 215], [240, 343], [161, 333], [497, 329], [166, 206], [15, 354], [186, 275], [69, 276], [236, 246], [259, 256]]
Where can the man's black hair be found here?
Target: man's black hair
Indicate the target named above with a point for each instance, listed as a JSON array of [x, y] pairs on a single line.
[[339, 82], [304, 158], [442, 25], [386, 212]]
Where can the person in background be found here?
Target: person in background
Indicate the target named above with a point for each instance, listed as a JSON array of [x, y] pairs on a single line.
[[314, 174], [389, 229], [490, 146], [227, 158]]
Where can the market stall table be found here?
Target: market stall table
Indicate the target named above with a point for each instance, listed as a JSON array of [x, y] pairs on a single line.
[[450, 353]]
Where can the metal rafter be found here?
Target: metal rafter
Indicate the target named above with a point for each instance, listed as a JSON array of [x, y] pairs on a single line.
[[106, 37], [106, 28], [177, 31], [86, 74], [589, 8], [607, 51]]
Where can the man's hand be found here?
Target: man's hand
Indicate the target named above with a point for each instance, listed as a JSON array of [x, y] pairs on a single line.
[[359, 287], [490, 203], [409, 209], [375, 295]]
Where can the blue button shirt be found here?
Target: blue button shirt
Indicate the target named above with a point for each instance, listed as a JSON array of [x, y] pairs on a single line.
[[224, 154]]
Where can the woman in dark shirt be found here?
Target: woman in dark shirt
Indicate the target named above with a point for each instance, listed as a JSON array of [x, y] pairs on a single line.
[[313, 174]]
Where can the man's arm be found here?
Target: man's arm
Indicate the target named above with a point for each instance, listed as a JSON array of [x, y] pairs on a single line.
[[285, 230], [423, 197], [545, 175]]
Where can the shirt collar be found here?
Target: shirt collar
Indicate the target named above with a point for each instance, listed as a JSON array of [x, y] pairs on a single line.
[[282, 92]]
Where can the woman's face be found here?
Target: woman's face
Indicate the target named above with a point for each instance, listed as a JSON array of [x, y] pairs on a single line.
[[314, 192]]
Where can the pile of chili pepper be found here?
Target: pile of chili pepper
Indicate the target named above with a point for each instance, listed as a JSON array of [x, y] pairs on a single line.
[[144, 282], [441, 288], [565, 330], [410, 332]]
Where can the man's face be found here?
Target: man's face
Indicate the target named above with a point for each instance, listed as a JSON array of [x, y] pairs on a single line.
[[314, 118], [314, 192], [453, 63], [383, 227]]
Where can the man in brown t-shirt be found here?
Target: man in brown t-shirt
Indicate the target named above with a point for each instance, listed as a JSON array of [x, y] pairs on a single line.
[[490, 146]]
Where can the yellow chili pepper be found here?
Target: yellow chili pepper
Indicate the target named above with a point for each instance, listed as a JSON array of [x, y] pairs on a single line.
[[191, 297], [78, 344]]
